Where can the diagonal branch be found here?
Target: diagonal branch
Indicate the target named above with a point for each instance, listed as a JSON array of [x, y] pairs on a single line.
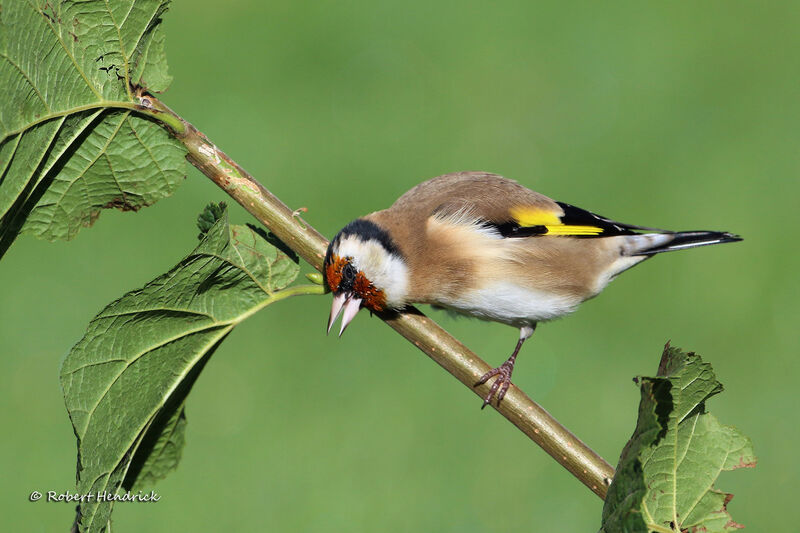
[[424, 333]]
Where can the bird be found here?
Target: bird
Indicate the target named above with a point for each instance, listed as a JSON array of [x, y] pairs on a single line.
[[485, 246]]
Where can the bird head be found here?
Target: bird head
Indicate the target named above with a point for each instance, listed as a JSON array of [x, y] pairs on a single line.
[[364, 268]]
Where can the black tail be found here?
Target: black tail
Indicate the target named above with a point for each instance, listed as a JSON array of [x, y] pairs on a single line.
[[690, 239]]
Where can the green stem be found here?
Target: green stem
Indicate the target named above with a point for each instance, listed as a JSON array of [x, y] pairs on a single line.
[[294, 290], [424, 333], [297, 290], [167, 118]]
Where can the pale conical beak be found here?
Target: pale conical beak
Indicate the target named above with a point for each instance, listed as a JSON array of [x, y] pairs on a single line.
[[336, 308], [347, 302], [351, 309]]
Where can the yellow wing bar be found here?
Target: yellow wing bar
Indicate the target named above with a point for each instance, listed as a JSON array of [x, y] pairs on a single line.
[[528, 217], [573, 230], [534, 216]]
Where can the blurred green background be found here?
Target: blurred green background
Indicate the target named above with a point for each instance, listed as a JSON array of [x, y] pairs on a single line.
[[676, 115]]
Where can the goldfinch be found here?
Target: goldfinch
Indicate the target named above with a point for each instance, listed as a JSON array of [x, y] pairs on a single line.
[[485, 246]]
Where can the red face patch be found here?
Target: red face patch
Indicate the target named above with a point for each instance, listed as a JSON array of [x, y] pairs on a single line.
[[374, 298], [333, 272]]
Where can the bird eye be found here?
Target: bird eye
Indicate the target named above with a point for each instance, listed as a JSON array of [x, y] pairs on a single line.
[[348, 273]]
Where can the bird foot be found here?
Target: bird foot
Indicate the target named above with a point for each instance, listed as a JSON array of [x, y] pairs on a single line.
[[500, 385]]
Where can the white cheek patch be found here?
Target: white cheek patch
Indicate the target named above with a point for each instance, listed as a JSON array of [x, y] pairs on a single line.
[[385, 270]]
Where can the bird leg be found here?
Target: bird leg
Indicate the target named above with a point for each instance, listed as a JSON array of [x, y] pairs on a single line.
[[504, 377], [501, 384]]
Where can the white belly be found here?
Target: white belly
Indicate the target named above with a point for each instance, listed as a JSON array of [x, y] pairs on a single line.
[[511, 304]]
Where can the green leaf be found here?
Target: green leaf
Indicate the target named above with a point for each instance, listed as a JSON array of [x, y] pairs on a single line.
[[160, 452], [209, 216], [71, 142], [125, 383], [665, 478]]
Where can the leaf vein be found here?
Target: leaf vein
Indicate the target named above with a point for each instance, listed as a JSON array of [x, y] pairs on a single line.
[[105, 104], [28, 79], [240, 267], [122, 47], [82, 176], [146, 27], [709, 486], [130, 9], [66, 51], [7, 163], [96, 363], [150, 310], [149, 152], [67, 145], [136, 357], [36, 167]]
